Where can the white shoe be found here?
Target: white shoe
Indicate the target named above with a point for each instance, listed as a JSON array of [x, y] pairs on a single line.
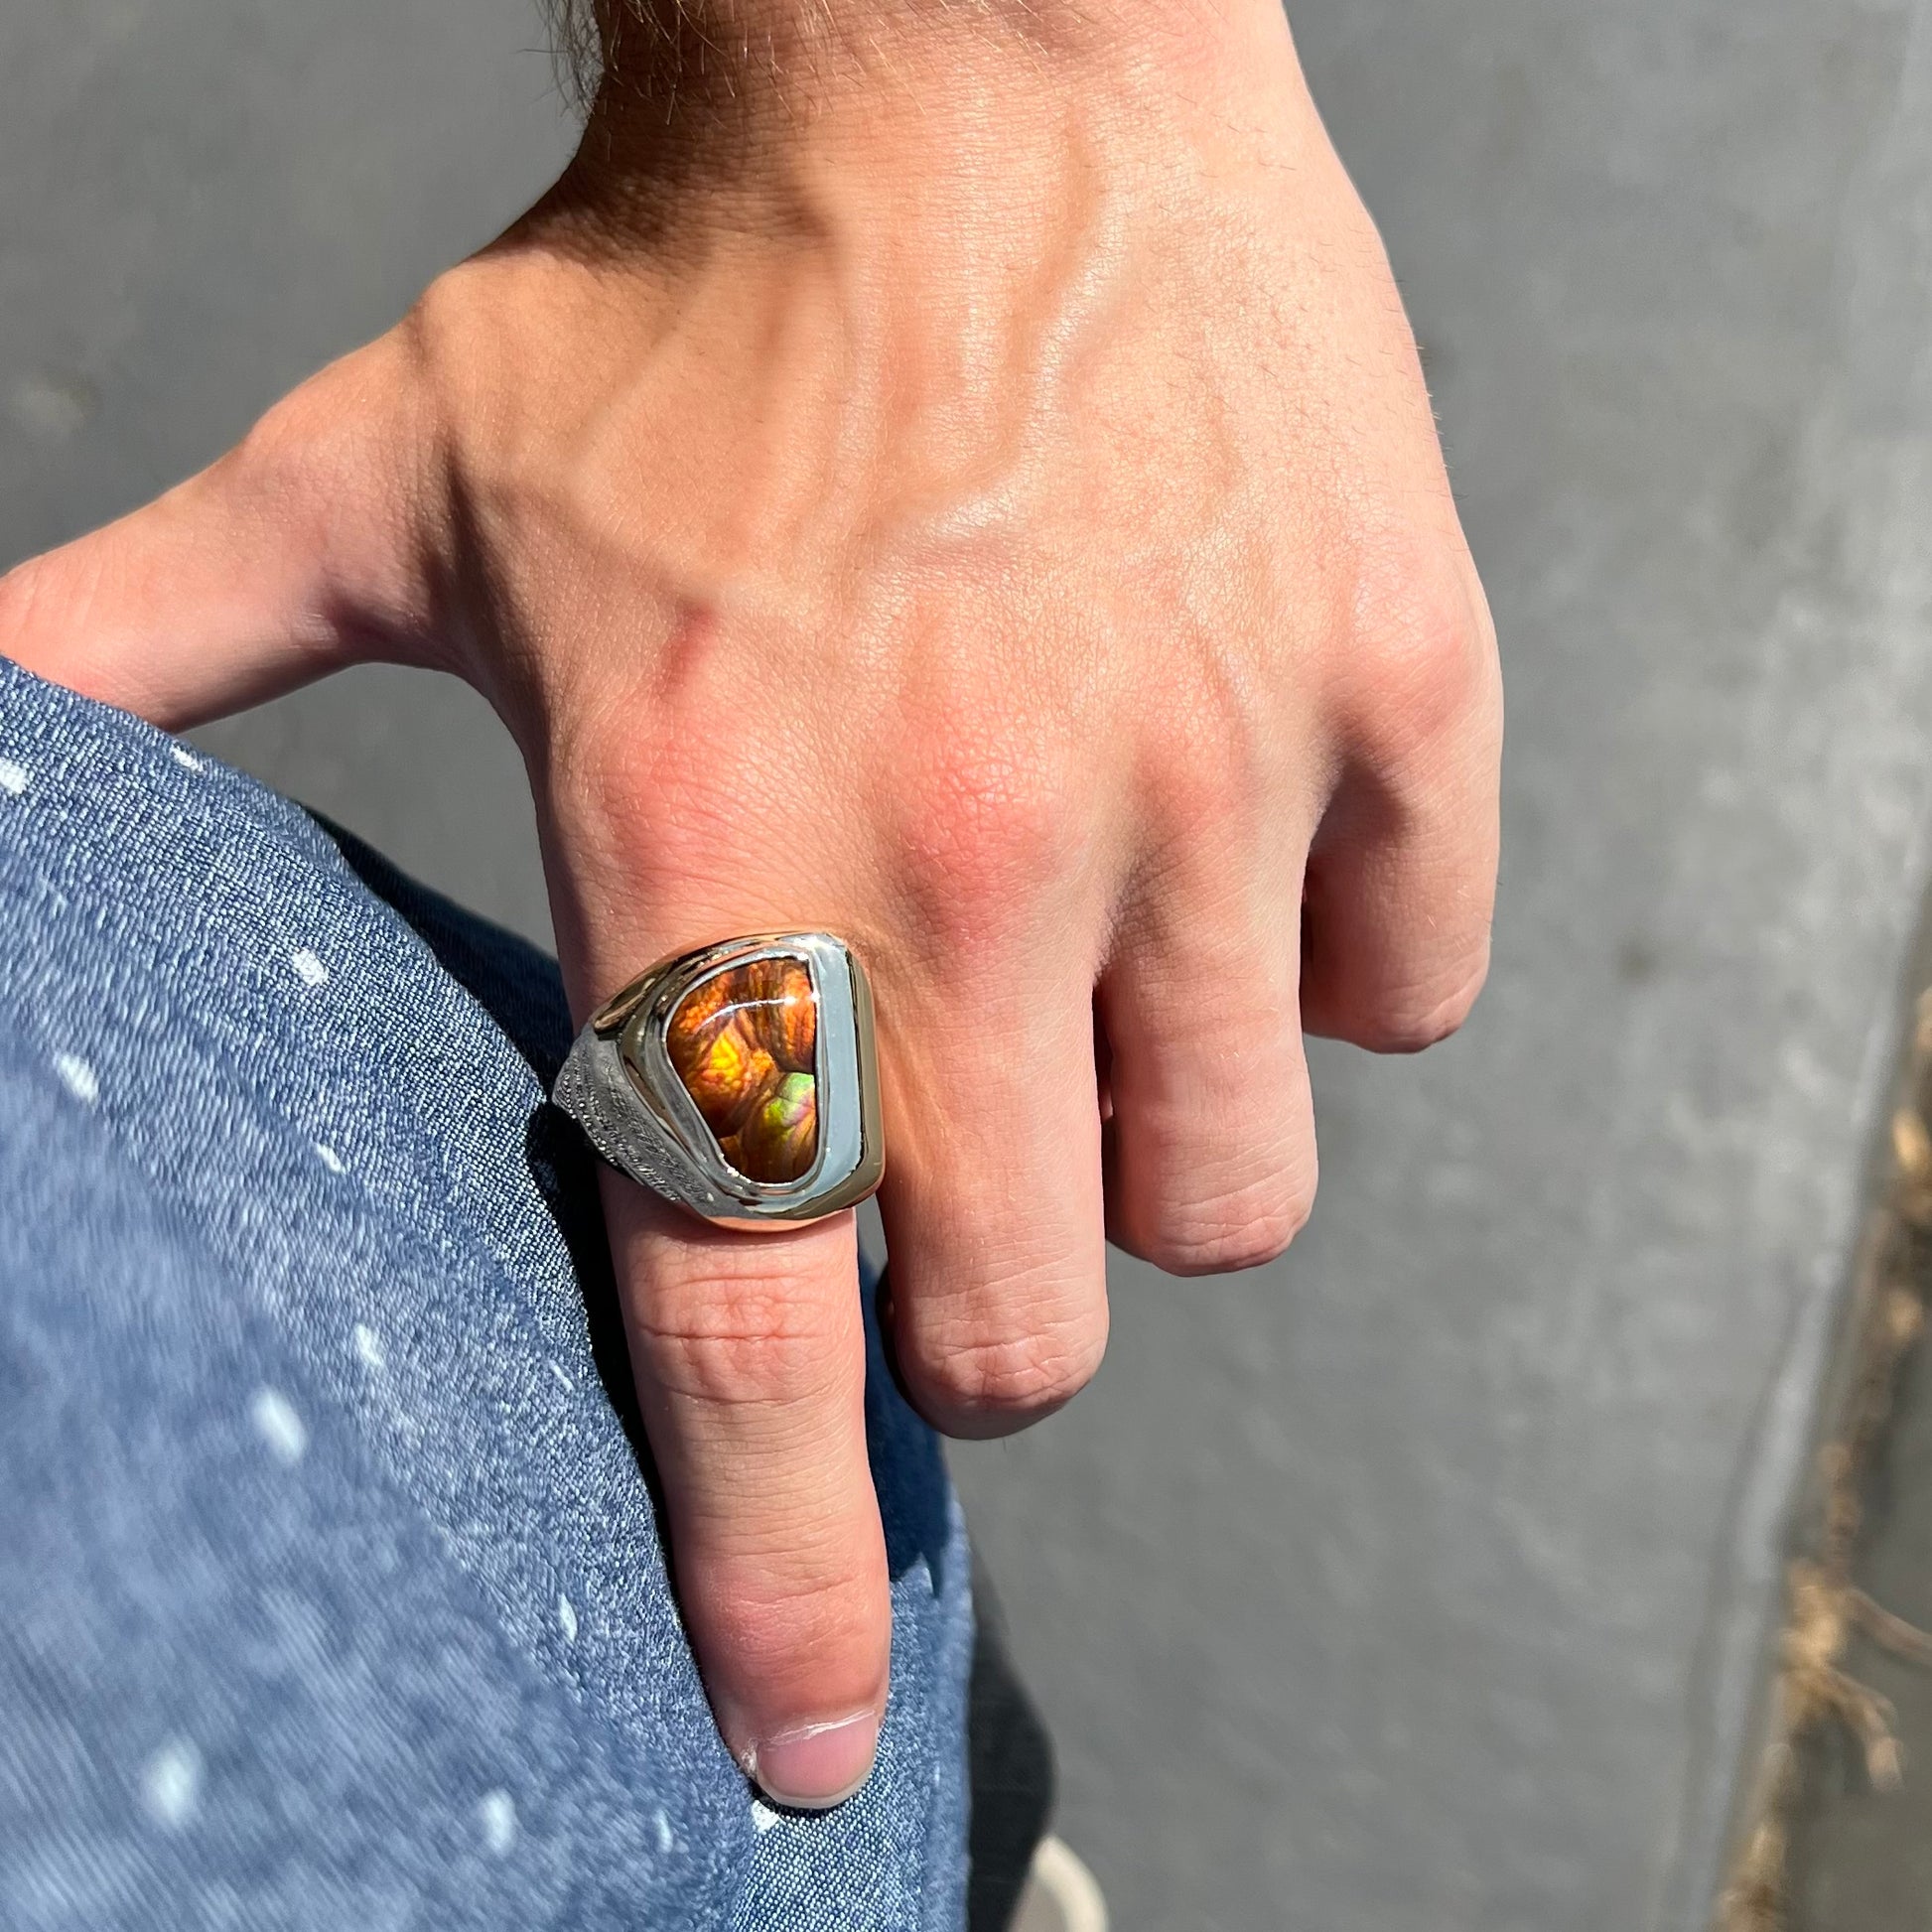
[[1060, 1893]]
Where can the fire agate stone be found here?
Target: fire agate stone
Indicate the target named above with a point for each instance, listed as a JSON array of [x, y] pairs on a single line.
[[743, 1043]]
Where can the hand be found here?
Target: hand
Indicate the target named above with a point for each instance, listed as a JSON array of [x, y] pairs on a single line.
[[966, 485]]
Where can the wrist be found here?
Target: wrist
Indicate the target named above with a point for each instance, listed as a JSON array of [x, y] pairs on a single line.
[[697, 108]]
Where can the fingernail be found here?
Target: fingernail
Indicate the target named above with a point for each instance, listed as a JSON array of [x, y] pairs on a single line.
[[815, 1766]]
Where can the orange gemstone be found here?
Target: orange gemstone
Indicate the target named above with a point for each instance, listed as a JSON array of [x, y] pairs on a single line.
[[743, 1043], [788, 1013]]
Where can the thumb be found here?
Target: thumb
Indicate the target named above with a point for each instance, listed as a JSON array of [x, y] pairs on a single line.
[[302, 550]]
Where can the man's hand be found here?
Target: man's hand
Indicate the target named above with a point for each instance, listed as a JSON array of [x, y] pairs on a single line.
[[962, 482]]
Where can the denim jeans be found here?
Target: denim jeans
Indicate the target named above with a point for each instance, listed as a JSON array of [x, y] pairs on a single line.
[[332, 1591]]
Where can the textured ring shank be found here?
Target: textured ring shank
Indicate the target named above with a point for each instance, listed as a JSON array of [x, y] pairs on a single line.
[[595, 1090]]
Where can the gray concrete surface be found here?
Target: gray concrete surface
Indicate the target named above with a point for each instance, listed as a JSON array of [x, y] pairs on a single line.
[[1418, 1580]]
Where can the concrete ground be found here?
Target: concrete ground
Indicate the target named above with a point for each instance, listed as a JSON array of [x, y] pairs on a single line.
[[1421, 1580]]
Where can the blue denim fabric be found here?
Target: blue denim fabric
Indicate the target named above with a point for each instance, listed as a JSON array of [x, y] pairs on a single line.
[[331, 1589]]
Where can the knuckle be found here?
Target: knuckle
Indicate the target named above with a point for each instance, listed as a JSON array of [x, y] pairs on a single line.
[[983, 833], [1424, 651], [796, 1627], [626, 796], [1413, 1022], [1224, 1231], [800, 1609], [652, 813], [729, 1336], [988, 1385]]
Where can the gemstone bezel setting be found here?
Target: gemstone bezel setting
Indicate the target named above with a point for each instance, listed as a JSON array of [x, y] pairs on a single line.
[[621, 1085]]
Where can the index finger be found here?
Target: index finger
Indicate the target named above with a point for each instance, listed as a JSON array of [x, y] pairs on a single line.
[[748, 1353]]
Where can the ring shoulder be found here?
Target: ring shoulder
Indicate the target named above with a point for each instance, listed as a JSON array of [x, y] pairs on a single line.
[[594, 1089]]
